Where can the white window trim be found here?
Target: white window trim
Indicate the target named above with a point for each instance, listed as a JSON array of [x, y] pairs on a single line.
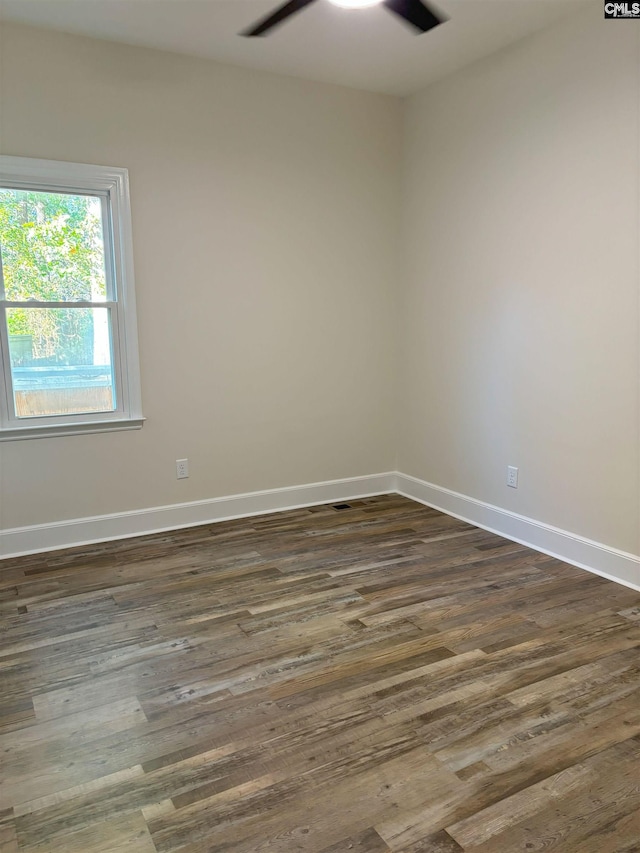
[[111, 183]]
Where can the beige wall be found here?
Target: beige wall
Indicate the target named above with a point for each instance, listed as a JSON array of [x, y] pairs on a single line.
[[519, 322], [265, 212]]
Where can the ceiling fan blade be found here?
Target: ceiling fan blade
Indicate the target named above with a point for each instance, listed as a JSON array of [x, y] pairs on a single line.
[[277, 17], [416, 13]]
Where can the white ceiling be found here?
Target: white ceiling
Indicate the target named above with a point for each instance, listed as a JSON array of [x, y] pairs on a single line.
[[367, 48]]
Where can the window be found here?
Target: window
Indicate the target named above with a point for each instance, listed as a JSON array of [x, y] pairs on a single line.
[[68, 338]]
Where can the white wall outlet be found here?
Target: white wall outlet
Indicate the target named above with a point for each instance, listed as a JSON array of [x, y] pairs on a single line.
[[182, 469], [512, 477]]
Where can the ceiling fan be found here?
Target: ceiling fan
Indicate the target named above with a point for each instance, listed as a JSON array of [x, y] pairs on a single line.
[[415, 12]]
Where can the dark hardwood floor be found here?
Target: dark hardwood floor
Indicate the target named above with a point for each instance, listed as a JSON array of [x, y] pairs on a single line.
[[370, 679]]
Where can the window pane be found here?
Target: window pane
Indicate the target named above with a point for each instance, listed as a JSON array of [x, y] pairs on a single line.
[[52, 246], [61, 360]]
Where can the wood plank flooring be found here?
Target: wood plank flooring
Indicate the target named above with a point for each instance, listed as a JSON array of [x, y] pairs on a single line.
[[377, 678]]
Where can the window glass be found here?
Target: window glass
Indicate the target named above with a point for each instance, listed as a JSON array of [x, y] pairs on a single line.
[[61, 361], [52, 246]]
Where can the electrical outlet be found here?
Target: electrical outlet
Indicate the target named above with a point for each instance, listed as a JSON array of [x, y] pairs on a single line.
[[182, 469], [512, 477]]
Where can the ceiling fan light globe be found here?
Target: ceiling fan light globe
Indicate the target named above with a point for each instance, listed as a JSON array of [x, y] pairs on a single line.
[[355, 4]]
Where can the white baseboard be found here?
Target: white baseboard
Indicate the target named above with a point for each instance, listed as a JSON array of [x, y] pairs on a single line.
[[593, 556], [121, 525]]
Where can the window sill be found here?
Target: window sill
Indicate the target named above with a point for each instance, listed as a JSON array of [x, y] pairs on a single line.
[[75, 428]]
